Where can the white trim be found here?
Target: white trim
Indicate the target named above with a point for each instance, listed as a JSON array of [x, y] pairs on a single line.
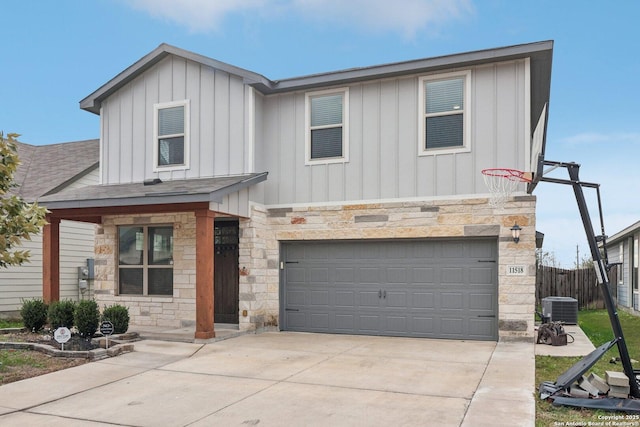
[[187, 126], [466, 137], [249, 166], [101, 160], [345, 126], [527, 137]]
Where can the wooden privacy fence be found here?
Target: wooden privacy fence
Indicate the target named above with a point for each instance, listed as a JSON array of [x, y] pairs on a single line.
[[580, 284]]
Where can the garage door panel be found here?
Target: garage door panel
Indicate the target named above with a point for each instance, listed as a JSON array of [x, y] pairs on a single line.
[[396, 275], [452, 326], [421, 288], [345, 323], [422, 300], [319, 321], [345, 299], [396, 299], [452, 301], [368, 298], [369, 323], [423, 275], [319, 298], [295, 297], [345, 275], [369, 275]]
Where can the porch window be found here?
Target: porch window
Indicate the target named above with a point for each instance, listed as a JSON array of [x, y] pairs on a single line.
[[145, 260], [171, 146]]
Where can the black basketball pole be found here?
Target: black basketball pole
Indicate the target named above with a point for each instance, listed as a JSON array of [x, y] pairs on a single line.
[[600, 264]]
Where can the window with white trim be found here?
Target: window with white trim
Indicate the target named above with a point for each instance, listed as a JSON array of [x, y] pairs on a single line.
[[621, 260], [326, 125], [171, 135], [444, 113], [145, 260]]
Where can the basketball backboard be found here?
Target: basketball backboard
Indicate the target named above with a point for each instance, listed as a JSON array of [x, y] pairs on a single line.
[[537, 150]]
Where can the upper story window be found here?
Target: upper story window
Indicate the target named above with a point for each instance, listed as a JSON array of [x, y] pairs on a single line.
[[444, 113], [171, 135], [327, 126]]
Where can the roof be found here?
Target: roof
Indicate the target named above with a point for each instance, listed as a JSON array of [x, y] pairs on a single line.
[[45, 169], [540, 54], [93, 101], [179, 191], [626, 232]]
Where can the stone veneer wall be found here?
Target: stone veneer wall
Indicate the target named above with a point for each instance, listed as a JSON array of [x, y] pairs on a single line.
[[176, 311], [262, 233]]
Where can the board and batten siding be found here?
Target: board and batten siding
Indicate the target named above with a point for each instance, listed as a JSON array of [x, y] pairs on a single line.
[[76, 245], [383, 141], [217, 122]]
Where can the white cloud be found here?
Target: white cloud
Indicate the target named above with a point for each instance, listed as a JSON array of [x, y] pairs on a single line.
[[406, 17], [595, 137], [196, 15]]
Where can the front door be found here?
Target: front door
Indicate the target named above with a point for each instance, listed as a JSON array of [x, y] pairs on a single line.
[[226, 278]]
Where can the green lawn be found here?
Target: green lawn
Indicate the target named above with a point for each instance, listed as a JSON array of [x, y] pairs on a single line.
[[10, 324], [595, 323]]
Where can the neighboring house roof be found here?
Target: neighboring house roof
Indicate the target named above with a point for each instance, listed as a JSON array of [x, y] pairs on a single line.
[[45, 169], [179, 191], [630, 230], [540, 54]]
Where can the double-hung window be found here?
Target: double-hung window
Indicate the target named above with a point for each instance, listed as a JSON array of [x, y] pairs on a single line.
[[327, 126], [444, 113], [145, 260], [171, 135]]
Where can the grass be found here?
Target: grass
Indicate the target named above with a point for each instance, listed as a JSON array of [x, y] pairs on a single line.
[[596, 324], [10, 324]]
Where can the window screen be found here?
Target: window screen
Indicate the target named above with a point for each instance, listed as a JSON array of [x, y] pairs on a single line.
[[444, 113], [171, 134], [326, 126]]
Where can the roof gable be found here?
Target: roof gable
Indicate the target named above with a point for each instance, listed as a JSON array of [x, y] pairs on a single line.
[[93, 101]]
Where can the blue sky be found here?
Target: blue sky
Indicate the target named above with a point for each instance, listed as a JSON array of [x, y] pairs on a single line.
[[57, 52]]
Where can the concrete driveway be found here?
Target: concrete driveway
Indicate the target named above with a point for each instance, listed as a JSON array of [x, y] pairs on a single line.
[[280, 378]]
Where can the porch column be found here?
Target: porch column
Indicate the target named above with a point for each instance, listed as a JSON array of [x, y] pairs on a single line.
[[204, 274], [51, 260]]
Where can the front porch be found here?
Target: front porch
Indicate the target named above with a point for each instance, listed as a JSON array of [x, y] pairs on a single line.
[[156, 258]]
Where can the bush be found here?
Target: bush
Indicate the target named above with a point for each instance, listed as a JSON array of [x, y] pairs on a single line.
[[86, 318], [34, 314], [119, 316], [61, 313]]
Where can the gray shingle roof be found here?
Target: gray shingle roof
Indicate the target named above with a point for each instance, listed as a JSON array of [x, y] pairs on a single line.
[[45, 169], [180, 191]]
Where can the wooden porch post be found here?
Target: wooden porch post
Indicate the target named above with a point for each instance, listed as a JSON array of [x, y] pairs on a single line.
[[51, 260], [204, 274]]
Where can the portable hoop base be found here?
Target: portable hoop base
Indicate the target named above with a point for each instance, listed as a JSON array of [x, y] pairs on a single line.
[[502, 182]]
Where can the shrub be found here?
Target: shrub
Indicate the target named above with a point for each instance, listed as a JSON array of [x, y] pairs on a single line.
[[61, 313], [86, 318], [119, 316], [34, 314]]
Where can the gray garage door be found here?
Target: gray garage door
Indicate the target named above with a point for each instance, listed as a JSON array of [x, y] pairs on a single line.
[[417, 288]]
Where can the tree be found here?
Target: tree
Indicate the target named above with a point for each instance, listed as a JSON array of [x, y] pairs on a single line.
[[18, 219]]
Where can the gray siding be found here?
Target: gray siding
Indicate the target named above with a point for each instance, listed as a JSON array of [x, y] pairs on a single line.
[[383, 142], [217, 124]]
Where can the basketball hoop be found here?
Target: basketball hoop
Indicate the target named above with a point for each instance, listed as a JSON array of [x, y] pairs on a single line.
[[502, 182]]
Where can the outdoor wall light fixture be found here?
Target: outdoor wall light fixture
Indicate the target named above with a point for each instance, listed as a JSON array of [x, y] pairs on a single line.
[[515, 232]]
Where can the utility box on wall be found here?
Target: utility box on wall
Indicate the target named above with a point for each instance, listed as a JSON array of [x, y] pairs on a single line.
[[560, 309]]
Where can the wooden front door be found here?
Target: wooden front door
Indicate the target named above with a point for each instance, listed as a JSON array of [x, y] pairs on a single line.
[[226, 277]]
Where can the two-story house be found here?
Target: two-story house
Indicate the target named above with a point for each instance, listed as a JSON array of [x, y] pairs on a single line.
[[342, 202]]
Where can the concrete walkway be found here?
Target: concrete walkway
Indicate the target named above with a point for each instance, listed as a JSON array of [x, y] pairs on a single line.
[[282, 379]]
